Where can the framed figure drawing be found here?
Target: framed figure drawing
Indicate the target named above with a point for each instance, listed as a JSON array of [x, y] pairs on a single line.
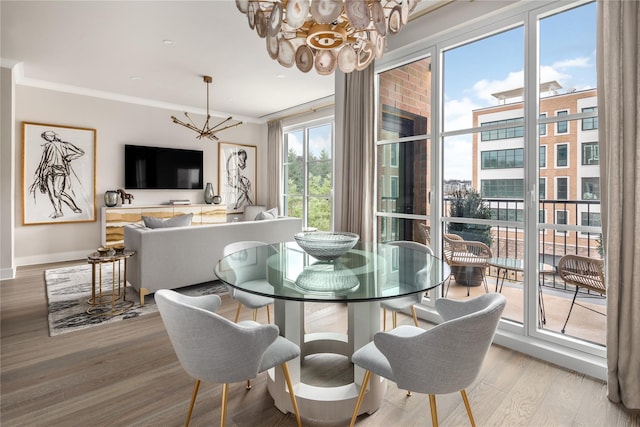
[[58, 174], [237, 180]]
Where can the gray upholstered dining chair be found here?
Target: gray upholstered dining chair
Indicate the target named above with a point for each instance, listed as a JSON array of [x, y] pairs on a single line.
[[214, 349], [444, 359], [252, 301], [398, 304]]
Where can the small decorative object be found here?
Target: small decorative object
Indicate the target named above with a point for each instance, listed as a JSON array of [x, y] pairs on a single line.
[[217, 200], [125, 196], [104, 251], [119, 250], [208, 193], [324, 245], [110, 198], [327, 278]]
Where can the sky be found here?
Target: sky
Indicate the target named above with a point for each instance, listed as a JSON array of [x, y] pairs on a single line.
[[474, 71]]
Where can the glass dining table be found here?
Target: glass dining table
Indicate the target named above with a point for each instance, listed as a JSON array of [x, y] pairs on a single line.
[[362, 277]]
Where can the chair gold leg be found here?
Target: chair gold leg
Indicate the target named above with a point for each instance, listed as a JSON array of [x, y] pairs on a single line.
[[268, 315], [415, 316], [285, 371], [255, 315], [223, 409], [394, 316], [248, 386], [193, 402], [466, 404], [238, 312], [434, 410], [363, 388], [384, 319]]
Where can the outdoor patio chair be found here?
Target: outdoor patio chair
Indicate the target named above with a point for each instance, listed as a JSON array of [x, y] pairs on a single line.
[[582, 272], [425, 232], [467, 260]]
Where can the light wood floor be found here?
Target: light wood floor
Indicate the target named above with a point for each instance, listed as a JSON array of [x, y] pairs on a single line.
[[126, 374]]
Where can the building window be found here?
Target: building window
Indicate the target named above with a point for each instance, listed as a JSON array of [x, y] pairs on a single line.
[[542, 127], [394, 155], [590, 219], [590, 123], [562, 126], [590, 188], [395, 189], [542, 157], [502, 188], [542, 188], [542, 217], [510, 132], [562, 218], [562, 188], [590, 153], [508, 214], [502, 159], [562, 155], [308, 174]]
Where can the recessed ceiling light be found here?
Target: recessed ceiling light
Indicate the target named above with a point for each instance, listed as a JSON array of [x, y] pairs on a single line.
[[280, 76], [135, 78], [167, 42]]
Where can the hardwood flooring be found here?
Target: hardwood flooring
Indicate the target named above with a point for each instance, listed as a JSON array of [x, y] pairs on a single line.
[[126, 374]]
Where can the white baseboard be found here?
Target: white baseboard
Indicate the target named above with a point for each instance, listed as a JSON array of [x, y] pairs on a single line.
[[54, 257], [7, 273]]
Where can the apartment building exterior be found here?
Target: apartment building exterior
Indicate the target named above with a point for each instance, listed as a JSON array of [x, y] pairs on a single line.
[[568, 166]]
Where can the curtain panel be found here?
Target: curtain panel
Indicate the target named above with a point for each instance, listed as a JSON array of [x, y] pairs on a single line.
[[274, 164], [618, 60], [358, 155]]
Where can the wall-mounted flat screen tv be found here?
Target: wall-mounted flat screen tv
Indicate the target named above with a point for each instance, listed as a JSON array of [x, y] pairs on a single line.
[[162, 168]]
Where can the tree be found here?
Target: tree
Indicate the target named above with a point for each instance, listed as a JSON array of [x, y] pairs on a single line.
[[469, 204]]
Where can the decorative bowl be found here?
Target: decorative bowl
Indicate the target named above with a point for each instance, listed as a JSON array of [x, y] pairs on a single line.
[[327, 278], [119, 250], [104, 251], [324, 245]]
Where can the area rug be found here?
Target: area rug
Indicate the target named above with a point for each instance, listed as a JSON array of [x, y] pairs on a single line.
[[69, 289]]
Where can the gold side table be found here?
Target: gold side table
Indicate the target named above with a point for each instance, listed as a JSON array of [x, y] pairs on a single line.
[[106, 299]]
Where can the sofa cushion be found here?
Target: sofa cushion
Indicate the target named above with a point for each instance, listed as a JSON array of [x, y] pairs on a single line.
[[176, 221], [251, 211], [270, 214]]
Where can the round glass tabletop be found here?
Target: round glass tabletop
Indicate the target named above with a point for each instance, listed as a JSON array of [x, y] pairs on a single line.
[[368, 272]]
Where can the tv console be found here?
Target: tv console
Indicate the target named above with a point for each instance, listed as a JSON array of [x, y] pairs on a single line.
[[115, 218]]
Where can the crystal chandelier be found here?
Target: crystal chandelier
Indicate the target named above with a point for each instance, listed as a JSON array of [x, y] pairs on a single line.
[[207, 131], [325, 34]]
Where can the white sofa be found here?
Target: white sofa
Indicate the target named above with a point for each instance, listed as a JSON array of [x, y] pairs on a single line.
[[169, 258]]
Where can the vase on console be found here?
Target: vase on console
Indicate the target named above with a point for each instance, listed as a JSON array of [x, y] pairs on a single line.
[[110, 198], [208, 193]]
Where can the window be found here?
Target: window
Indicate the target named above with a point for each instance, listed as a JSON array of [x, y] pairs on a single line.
[[502, 188], [510, 132], [507, 214], [542, 157], [590, 219], [542, 128], [394, 155], [542, 188], [562, 155], [590, 123], [502, 159], [590, 188], [590, 153], [562, 126], [562, 188], [308, 174], [562, 218], [394, 188], [542, 216]]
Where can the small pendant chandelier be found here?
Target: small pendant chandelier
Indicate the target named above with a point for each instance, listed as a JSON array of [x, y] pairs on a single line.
[[206, 131]]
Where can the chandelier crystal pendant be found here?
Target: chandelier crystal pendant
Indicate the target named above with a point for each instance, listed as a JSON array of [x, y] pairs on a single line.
[[325, 34], [206, 131]]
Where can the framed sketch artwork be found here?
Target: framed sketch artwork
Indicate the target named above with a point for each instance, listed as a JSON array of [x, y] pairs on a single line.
[[58, 174], [237, 180]]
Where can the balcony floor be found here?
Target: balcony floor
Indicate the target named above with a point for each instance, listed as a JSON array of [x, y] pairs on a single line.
[[583, 324]]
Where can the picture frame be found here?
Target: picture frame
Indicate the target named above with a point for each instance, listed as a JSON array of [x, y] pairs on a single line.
[[58, 174], [237, 167]]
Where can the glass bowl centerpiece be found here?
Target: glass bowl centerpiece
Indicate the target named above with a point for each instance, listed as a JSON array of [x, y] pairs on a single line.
[[326, 245]]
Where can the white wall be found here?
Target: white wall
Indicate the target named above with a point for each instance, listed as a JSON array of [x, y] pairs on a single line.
[[117, 124]]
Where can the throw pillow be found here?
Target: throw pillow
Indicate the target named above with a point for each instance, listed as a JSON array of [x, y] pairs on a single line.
[[176, 221], [270, 214]]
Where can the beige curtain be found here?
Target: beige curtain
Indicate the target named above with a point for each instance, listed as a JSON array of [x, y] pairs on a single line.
[[358, 155], [619, 134], [274, 164]]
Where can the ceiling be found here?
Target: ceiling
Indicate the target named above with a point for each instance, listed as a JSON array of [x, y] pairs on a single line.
[[156, 51]]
